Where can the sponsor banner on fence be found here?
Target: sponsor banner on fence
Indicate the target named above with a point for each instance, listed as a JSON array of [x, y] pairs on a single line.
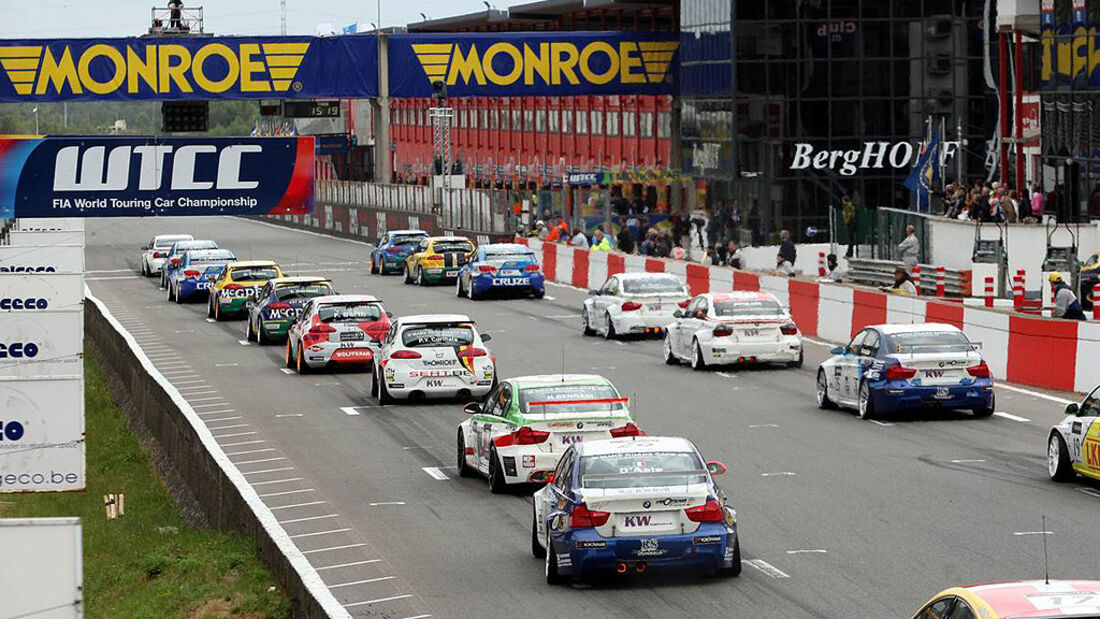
[[42, 431], [141, 176], [40, 292], [49, 224], [42, 260], [41, 344], [519, 64], [166, 68]]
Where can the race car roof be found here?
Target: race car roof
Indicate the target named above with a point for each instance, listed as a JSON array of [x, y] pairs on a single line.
[[634, 444], [507, 247], [647, 275], [433, 318], [450, 238], [173, 237], [1037, 598], [301, 279], [557, 379], [346, 298], [743, 295], [253, 263], [890, 329], [408, 232]]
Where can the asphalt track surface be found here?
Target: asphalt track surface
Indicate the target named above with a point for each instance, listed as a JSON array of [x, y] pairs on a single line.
[[838, 517]]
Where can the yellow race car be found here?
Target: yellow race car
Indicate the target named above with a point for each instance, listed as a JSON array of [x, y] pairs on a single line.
[[437, 259], [1090, 276], [1016, 600], [240, 281]]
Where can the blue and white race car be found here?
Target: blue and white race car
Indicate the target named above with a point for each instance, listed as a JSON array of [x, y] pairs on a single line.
[[392, 249], [627, 504], [196, 272], [501, 267], [175, 254], [891, 368]]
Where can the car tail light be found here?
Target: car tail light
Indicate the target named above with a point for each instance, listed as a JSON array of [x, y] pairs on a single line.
[[473, 352], [631, 306], [789, 329], [583, 518], [280, 305], [684, 303], [485, 268], [522, 436], [980, 371], [628, 430], [434, 258], [722, 332], [156, 254], [405, 354], [376, 330], [531, 267], [899, 372], [175, 262], [233, 287], [322, 328], [190, 273], [392, 250], [711, 511]]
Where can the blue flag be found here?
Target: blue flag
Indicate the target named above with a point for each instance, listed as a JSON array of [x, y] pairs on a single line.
[[925, 173]]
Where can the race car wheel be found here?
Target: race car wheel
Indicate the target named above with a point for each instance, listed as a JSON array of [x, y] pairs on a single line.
[[217, 310], [260, 338], [405, 272], [374, 270], [1058, 464], [459, 292], [248, 333], [384, 396], [168, 293], [586, 327], [464, 469], [374, 381], [610, 332], [866, 409], [734, 569], [420, 278], [796, 364], [288, 356], [210, 307], [823, 400], [538, 294], [144, 269], [670, 359], [985, 411], [300, 364], [496, 476], [698, 363], [536, 548], [552, 575]]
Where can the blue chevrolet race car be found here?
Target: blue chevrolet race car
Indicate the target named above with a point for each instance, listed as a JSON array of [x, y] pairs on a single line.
[[892, 368], [624, 505], [196, 272], [501, 267], [175, 254], [394, 246]]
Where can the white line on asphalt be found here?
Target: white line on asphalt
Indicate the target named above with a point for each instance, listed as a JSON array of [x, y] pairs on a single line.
[[426, 616], [287, 492], [168, 363], [726, 375], [1034, 533], [1035, 394], [260, 460], [361, 582], [291, 415], [603, 367], [209, 405], [885, 424], [250, 451], [99, 279], [230, 427], [217, 397], [1011, 416], [338, 565], [550, 298], [306, 552], [349, 410], [226, 365], [207, 387], [276, 481], [309, 518], [780, 474], [318, 533], [192, 382], [435, 473], [223, 419], [563, 316], [389, 599], [1090, 491], [211, 320], [172, 374], [807, 551], [285, 468], [296, 505], [766, 568], [618, 342], [332, 384], [233, 434], [388, 503], [286, 370], [966, 461], [243, 342], [108, 271], [219, 412], [182, 331], [763, 425]]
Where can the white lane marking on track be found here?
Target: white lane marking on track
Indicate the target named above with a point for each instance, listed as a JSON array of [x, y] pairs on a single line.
[[884, 424], [603, 367], [287, 492], [99, 279], [766, 568], [339, 565], [296, 505], [285, 468], [1035, 394], [618, 342], [211, 404], [361, 582], [233, 434], [435, 473], [974, 461], [108, 271], [207, 399], [550, 298], [332, 384], [244, 342], [249, 451], [807, 551], [309, 518], [226, 365], [1033, 533], [182, 331], [563, 316], [726, 375], [223, 419], [379, 600], [1090, 491], [387, 503], [779, 474], [208, 390], [1004, 415], [286, 228], [318, 533], [259, 461], [276, 481], [763, 425], [211, 320], [291, 415], [221, 412], [349, 410], [286, 370], [418, 617], [306, 552]]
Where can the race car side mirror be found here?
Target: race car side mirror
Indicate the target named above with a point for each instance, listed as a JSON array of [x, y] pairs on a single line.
[[485, 337], [837, 350], [678, 314], [389, 314], [144, 248], [472, 408], [716, 468], [550, 478], [1072, 408]]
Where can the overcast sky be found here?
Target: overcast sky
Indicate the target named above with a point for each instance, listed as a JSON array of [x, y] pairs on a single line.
[[37, 19]]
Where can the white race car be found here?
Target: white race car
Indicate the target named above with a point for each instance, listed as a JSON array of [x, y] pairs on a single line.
[[155, 253], [336, 330], [437, 355], [1074, 444], [733, 327], [633, 303]]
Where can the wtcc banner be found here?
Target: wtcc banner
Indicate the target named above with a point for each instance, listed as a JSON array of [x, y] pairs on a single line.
[[116, 177], [521, 64], [189, 68]]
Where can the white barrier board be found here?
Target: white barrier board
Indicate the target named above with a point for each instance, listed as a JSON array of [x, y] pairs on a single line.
[[40, 292], [41, 344], [42, 259], [49, 224], [47, 580], [43, 435]]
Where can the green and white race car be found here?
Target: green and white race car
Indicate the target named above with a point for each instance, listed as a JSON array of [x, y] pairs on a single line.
[[527, 423]]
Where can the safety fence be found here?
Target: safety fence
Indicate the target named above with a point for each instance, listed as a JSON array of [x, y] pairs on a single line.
[[483, 211]]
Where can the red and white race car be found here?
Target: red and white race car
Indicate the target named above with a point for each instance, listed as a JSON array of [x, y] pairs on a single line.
[[336, 330], [733, 327]]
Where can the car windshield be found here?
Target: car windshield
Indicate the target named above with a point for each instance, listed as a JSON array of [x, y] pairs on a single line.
[[303, 291], [167, 242], [408, 239], [642, 470], [361, 311], [747, 307], [569, 400], [509, 254], [215, 255], [445, 246], [928, 341], [652, 285], [427, 336], [253, 274], [1093, 259]]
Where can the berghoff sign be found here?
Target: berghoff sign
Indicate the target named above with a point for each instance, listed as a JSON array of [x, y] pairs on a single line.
[[873, 156]]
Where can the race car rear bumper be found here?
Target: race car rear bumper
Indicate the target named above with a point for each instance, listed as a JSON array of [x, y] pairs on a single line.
[[723, 351], [440, 274], [483, 284], [156, 264], [232, 305], [525, 464], [275, 328], [584, 551], [649, 322], [330, 354], [396, 264], [899, 396], [188, 288], [402, 386]]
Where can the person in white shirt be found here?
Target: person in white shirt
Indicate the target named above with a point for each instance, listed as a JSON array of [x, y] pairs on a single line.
[[579, 239]]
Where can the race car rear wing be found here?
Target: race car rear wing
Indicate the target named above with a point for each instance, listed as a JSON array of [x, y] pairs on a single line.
[[608, 401], [914, 348]]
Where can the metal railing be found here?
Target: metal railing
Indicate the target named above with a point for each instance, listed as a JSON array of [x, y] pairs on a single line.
[[881, 273]]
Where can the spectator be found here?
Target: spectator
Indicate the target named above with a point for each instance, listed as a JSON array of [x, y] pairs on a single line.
[[579, 239], [713, 227], [649, 245], [540, 232], [787, 250], [996, 213], [964, 212], [664, 245], [1038, 202], [733, 255], [626, 240], [903, 284], [784, 266], [600, 242], [678, 252], [1011, 206], [848, 212], [1066, 304], [735, 219], [909, 248], [832, 269]]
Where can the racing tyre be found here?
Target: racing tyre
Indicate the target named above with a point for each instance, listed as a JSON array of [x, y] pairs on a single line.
[[1058, 465], [217, 310], [405, 273], [210, 307], [420, 281], [144, 269], [866, 408], [249, 335], [496, 476], [538, 294], [384, 396], [985, 411], [796, 364], [536, 548], [459, 292], [168, 293], [698, 363], [735, 569], [288, 357], [585, 327], [260, 338], [823, 400], [552, 575], [374, 270], [300, 364], [463, 467], [374, 381], [670, 359], [610, 333]]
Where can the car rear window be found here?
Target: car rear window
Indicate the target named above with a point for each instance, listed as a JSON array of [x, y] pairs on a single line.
[[169, 241], [299, 291], [642, 470], [408, 239], [747, 307], [573, 399], [427, 336], [652, 285], [509, 254], [207, 255], [253, 274], [441, 247], [363, 311], [181, 246], [928, 342]]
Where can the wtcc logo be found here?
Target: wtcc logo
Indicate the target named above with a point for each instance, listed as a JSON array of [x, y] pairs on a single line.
[[26, 269], [18, 350], [25, 303], [11, 431]]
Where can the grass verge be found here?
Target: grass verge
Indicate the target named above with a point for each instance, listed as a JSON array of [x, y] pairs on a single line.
[[149, 562]]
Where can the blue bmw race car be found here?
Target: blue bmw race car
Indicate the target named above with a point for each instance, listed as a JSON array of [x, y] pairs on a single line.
[[501, 267], [891, 368], [175, 254], [196, 272], [396, 245]]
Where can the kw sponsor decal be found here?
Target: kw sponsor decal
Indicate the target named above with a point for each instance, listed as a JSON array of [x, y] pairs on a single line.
[[933, 373], [549, 63], [167, 68], [1092, 453], [636, 521]]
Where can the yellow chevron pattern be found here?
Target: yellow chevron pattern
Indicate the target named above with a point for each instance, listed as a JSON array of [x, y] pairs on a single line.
[[434, 59], [283, 60], [657, 56], [20, 63]]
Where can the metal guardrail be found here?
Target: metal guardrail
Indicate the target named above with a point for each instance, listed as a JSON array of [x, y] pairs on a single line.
[[881, 273]]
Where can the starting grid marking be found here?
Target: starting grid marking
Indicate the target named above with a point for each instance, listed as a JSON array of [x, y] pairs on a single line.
[[766, 568], [435, 473]]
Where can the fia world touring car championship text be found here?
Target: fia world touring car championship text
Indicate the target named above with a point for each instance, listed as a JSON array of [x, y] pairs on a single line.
[[83, 204]]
